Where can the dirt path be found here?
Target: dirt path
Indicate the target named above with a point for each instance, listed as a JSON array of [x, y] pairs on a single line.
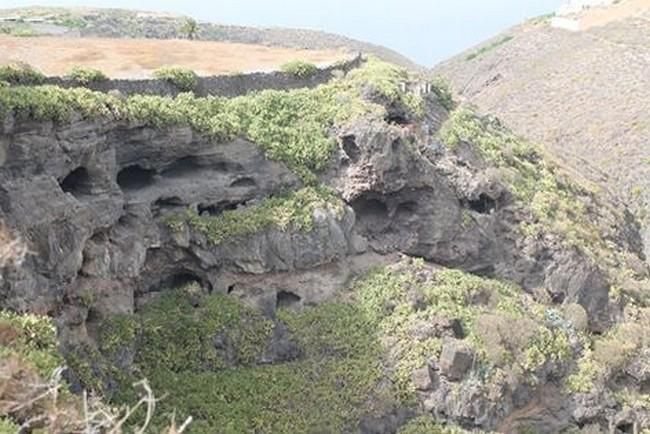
[[137, 58]]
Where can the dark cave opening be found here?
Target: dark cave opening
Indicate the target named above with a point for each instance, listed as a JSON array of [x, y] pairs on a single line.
[[135, 177], [217, 208], [350, 147], [77, 182], [483, 204], [369, 207], [286, 299], [372, 213], [626, 427]]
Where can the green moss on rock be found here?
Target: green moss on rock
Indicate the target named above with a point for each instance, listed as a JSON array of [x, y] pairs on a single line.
[[293, 127], [326, 388], [294, 210], [33, 338], [557, 204], [406, 299]]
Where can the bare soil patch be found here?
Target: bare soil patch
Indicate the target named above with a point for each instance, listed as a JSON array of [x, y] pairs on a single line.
[[137, 58]]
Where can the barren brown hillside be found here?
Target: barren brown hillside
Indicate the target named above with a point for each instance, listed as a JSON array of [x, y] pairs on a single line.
[[585, 95], [136, 58]]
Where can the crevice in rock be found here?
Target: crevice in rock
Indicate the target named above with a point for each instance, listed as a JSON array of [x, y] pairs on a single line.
[[350, 147], [217, 208], [244, 182], [626, 427], [482, 205], [135, 177], [286, 299], [172, 203], [77, 182], [396, 115], [190, 165]]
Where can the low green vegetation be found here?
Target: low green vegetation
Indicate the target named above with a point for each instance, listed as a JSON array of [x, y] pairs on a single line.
[[206, 353], [299, 68], [487, 48], [507, 330], [86, 76], [32, 338], [184, 79], [20, 74], [294, 210], [70, 21], [20, 30], [386, 80], [207, 360], [189, 28], [557, 204], [442, 88], [293, 127], [610, 353]]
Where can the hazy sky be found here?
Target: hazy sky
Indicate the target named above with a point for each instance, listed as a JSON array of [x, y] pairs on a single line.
[[425, 30]]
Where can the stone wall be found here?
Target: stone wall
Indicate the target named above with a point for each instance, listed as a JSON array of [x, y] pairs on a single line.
[[222, 85]]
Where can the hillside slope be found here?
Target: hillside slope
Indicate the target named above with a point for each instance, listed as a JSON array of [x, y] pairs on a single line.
[[118, 23], [584, 95]]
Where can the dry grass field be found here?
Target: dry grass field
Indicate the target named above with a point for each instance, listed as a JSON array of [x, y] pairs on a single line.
[[137, 58]]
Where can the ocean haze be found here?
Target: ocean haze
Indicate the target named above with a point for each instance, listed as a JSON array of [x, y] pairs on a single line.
[[426, 31]]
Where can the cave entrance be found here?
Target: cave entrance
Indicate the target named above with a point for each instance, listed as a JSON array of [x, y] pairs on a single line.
[[77, 182], [286, 299], [371, 213], [350, 147], [484, 204], [135, 177]]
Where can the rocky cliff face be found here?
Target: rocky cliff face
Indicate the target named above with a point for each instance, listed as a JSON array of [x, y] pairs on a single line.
[[120, 212]]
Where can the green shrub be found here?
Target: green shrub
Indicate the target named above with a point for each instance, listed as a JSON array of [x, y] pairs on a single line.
[[20, 73], [299, 68], [292, 210], [71, 21], [86, 76], [557, 204], [386, 79], [34, 340], [442, 89], [184, 79], [189, 28], [293, 127], [8, 427], [402, 300], [226, 389]]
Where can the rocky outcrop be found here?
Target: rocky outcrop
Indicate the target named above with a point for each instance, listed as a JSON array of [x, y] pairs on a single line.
[[94, 200]]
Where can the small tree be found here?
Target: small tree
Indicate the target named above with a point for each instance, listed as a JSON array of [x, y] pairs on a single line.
[[189, 28]]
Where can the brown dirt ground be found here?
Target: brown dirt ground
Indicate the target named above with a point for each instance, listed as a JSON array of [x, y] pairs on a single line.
[[137, 58]]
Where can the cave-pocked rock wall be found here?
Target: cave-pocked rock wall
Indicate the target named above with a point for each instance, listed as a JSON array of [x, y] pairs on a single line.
[[95, 198]]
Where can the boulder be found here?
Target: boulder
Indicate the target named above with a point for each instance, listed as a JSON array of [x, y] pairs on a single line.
[[455, 360]]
